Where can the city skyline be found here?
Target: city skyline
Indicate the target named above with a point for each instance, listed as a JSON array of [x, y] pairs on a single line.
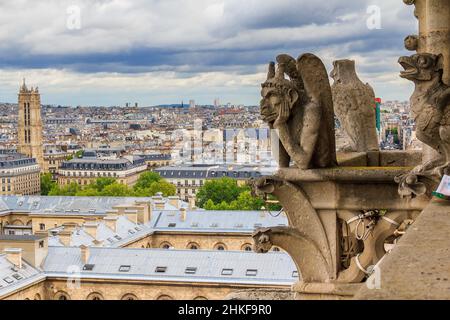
[[150, 53]]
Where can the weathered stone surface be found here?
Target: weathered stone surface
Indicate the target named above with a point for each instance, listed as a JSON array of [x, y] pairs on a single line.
[[419, 266], [301, 108], [354, 105], [429, 104], [261, 294]]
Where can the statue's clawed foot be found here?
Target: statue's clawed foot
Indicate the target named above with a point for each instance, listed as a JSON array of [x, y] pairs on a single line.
[[442, 170]]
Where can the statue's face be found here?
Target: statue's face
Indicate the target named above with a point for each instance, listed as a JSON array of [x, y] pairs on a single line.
[[421, 67], [262, 243], [270, 105]]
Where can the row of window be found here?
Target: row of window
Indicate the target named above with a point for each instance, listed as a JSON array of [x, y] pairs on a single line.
[[61, 295], [218, 246]]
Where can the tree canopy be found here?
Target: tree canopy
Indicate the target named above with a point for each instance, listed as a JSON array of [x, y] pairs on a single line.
[[146, 186], [226, 194], [47, 183]]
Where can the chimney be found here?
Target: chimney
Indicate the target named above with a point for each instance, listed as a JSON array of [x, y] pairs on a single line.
[[183, 214], [174, 201], [91, 229], [145, 211], [191, 201], [14, 255], [111, 222], [160, 205], [84, 254], [70, 226], [65, 237], [132, 215]]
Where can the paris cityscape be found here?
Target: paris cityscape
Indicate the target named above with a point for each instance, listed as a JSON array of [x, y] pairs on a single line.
[[130, 170]]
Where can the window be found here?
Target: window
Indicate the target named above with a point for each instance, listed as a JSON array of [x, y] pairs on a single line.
[[165, 245], [251, 272], [190, 270], [247, 247], [220, 247], [41, 244], [227, 272], [88, 267], [41, 226], [124, 268], [17, 276], [129, 296], [193, 246], [276, 249], [161, 269], [8, 280], [94, 296], [61, 295]]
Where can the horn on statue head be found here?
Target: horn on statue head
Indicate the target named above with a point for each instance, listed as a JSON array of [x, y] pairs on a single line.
[[271, 73], [280, 71]]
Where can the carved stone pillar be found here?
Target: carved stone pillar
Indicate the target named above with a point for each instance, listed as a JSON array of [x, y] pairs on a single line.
[[434, 37]]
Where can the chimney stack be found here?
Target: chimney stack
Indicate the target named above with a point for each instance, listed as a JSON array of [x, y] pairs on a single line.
[[70, 226], [132, 215], [111, 222], [91, 229], [191, 201], [84, 254], [174, 201], [65, 237], [144, 212], [14, 255], [183, 214], [160, 205]]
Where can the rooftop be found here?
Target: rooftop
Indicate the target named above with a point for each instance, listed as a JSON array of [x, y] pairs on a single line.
[[175, 265]]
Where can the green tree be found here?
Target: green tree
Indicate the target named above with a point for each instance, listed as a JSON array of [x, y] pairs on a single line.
[[223, 189], [117, 190], [101, 183], [67, 190], [47, 183], [146, 179]]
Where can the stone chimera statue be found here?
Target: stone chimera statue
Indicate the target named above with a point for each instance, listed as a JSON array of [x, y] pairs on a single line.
[[301, 108]]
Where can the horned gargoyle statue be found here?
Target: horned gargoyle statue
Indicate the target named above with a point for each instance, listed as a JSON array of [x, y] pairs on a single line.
[[430, 109], [301, 109]]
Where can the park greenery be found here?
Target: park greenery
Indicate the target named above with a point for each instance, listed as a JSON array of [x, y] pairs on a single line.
[[148, 184], [226, 194]]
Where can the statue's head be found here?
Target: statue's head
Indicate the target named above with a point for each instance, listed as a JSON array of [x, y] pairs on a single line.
[[343, 70], [261, 239], [278, 92], [422, 67]]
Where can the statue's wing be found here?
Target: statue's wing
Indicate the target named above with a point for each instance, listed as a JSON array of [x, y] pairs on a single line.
[[290, 67], [317, 87]]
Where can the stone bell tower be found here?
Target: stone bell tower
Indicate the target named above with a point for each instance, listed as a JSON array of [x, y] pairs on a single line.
[[30, 124]]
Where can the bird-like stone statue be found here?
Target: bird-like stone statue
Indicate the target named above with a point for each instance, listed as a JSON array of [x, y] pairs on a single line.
[[354, 105]]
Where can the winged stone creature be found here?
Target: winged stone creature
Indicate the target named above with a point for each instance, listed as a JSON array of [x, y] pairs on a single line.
[[301, 109]]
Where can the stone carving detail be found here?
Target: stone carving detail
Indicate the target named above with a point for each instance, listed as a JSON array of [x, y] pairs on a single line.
[[310, 262], [301, 109], [354, 105], [412, 42], [305, 240], [373, 229], [429, 107]]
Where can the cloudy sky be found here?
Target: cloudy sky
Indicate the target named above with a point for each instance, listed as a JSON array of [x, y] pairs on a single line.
[[165, 51]]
